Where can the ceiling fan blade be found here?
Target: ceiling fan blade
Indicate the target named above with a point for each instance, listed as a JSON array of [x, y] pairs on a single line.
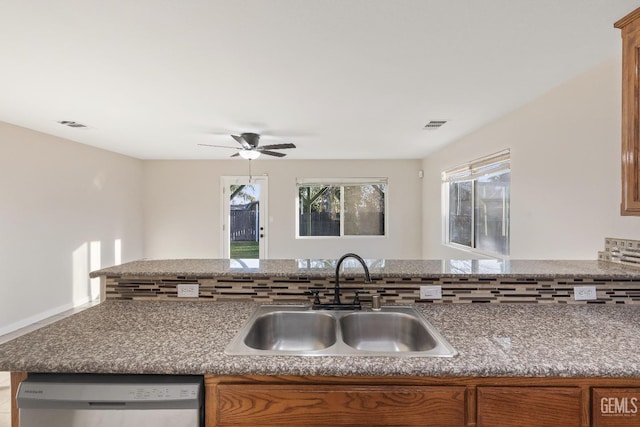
[[272, 153], [242, 142], [276, 146], [235, 155], [218, 146]]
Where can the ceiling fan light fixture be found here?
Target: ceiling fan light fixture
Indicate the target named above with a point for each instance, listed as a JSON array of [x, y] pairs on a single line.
[[249, 154], [249, 147]]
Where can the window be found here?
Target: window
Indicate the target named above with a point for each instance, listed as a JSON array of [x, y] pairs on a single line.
[[477, 196], [341, 207]]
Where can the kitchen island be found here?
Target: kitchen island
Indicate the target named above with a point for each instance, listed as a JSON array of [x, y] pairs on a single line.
[[190, 337], [396, 281], [483, 268], [545, 354], [542, 363]]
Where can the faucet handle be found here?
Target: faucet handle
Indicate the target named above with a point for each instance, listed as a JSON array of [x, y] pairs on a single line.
[[316, 297], [356, 298]]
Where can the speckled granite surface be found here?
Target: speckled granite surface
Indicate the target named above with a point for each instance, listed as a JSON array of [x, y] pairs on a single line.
[[379, 267], [189, 338]]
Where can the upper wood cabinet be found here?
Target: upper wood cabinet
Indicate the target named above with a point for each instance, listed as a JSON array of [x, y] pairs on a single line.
[[630, 26]]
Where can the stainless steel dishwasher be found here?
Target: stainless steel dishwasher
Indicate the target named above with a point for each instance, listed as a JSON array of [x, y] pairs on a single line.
[[76, 400]]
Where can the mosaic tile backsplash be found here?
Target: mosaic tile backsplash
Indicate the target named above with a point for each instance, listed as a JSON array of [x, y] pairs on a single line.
[[623, 251], [394, 290]]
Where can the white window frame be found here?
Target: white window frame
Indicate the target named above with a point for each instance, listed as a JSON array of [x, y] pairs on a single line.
[[342, 182], [471, 171]]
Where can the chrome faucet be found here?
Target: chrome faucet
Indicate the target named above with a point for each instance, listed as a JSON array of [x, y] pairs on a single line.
[[336, 304]]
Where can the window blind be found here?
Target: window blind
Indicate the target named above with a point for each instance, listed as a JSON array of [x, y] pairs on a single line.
[[491, 164], [340, 181]]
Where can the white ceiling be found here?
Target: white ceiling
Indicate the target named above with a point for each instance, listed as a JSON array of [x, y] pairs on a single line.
[[342, 79]]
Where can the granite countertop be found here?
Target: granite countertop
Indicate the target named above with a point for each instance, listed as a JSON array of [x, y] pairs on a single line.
[[189, 338], [377, 267]]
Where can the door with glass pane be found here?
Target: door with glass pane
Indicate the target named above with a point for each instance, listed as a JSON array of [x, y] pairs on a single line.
[[244, 217]]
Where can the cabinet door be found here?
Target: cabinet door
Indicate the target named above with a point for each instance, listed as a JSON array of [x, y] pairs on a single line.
[[336, 405], [529, 406], [615, 407], [630, 26]]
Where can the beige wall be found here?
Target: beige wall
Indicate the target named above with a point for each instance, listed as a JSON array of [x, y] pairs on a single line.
[[58, 197], [61, 203], [182, 207], [565, 171]]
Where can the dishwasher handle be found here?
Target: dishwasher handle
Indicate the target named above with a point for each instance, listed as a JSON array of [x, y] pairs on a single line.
[[107, 405]]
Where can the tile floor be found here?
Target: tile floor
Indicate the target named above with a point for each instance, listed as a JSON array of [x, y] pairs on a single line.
[[5, 382]]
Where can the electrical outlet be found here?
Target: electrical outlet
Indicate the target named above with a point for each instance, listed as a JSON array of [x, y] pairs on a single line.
[[188, 290], [584, 293], [430, 292]]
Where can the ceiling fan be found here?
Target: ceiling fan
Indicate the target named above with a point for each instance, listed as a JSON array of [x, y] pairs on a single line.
[[249, 147]]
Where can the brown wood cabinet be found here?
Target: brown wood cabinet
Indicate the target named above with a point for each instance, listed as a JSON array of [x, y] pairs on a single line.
[[630, 26], [615, 407], [343, 401], [530, 406], [16, 379], [415, 401], [421, 401], [339, 405]]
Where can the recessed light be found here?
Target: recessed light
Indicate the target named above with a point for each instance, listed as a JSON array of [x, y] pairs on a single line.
[[72, 124], [434, 124]]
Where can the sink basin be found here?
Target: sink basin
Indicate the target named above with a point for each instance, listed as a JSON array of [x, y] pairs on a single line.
[[384, 331], [292, 331], [297, 330]]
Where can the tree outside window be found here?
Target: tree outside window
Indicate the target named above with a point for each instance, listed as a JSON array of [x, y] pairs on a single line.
[[341, 210]]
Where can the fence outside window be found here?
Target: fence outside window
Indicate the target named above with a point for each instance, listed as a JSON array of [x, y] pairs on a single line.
[[243, 224]]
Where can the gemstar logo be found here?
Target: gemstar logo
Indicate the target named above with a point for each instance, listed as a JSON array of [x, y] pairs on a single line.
[[623, 406]]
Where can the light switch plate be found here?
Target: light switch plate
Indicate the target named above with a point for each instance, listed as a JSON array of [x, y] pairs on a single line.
[[584, 293], [430, 292], [188, 290]]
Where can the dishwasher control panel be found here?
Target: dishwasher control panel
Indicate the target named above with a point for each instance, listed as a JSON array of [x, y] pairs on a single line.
[[125, 391], [174, 392], [107, 392]]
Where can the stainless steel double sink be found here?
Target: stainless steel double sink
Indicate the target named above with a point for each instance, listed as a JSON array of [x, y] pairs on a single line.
[[399, 331]]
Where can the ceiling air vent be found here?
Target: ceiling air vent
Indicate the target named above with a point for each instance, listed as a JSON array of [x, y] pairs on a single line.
[[72, 124], [434, 124]]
